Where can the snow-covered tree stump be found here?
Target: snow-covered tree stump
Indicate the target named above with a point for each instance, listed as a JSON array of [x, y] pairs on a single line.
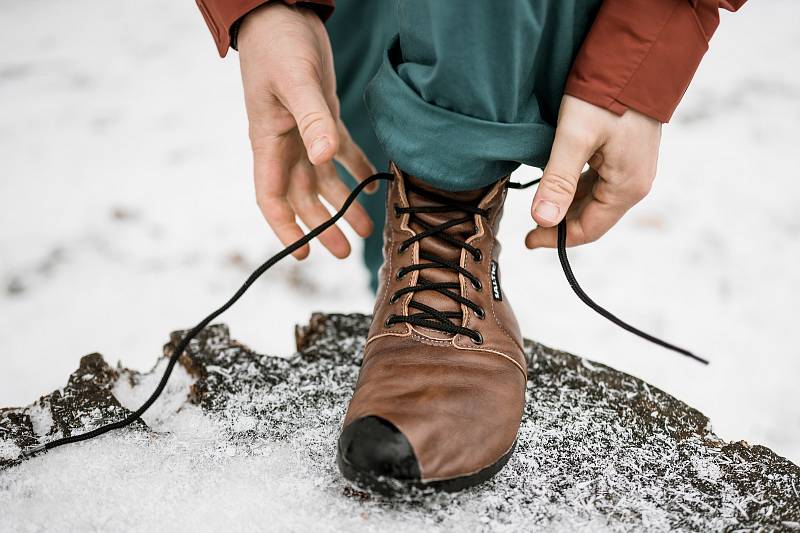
[[244, 441]]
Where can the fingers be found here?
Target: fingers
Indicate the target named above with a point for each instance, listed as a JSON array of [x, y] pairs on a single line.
[[354, 159], [336, 192], [596, 213], [304, 198], [570, 153], [281, 218], [271, 183], [315, 122], [593, 222], [288, 188]]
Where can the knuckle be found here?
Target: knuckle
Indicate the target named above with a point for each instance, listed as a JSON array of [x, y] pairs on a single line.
[[584, 233], [559, 183], [308, 121], [265, 205], [305, 202], [587, 238], [641, 188]]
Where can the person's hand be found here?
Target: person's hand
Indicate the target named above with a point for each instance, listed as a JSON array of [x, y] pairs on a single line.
[[622, 152], [295, 129]]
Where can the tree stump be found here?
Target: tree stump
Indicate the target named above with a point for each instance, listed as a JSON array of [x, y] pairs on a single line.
[[246, 441]]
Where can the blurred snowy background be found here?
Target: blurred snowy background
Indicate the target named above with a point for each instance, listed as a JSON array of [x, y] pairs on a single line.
[[126, 211]]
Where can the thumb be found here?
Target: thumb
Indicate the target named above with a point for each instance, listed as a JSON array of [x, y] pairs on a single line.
[[314, 119], [560, 179]]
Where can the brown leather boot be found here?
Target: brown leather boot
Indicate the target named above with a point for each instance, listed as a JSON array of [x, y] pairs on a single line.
[[441, 391]]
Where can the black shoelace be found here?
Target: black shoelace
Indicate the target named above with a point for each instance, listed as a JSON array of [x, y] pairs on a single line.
[[428, 315]]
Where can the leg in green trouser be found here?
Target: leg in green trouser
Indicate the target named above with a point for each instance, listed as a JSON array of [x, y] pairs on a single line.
[[469, 90], [359, 33], [465, 92]]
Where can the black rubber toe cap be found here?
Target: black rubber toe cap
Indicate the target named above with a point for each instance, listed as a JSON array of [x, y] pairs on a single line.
[[374, 446]]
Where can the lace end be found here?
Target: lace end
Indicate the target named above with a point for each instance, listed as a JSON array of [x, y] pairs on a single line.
[[517, 185], [31, 451], [697, 358]]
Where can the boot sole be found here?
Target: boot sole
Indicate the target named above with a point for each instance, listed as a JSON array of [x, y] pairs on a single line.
[[389, 486]]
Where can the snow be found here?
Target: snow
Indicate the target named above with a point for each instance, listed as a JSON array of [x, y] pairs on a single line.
[[173, 398], [8, 450], [126, 211], [41, 419], [254, 453]]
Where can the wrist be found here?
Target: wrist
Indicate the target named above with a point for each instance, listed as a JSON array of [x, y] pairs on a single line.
[[261, 21], [250, 22]]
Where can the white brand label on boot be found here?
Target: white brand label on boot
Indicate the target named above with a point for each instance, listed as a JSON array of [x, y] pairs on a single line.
[[496, 292]]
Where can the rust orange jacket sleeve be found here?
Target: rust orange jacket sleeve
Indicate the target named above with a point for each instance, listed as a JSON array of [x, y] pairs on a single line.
[[222, 15], [642, 54]]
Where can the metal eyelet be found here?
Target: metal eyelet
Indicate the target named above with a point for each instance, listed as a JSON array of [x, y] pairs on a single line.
[[477, 285], [480, 313], [401, 249], [393, 298], [387, 323], [478, 257], [477, 341], [396, 211], [400, 274]]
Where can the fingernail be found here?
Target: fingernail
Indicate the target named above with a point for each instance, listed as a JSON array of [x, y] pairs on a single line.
[[547, 211], [318, 147]]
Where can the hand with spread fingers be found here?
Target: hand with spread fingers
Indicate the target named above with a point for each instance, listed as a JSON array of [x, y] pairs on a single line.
[[622, 153], [295, 128]]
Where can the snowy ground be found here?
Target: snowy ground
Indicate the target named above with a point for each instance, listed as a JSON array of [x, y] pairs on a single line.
[[253, 451], [126, 206]]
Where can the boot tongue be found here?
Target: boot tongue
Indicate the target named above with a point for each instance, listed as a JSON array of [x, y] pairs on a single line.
[[435, 245]]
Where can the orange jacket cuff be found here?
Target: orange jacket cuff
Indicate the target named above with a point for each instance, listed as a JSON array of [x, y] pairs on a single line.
[[642, 54]]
